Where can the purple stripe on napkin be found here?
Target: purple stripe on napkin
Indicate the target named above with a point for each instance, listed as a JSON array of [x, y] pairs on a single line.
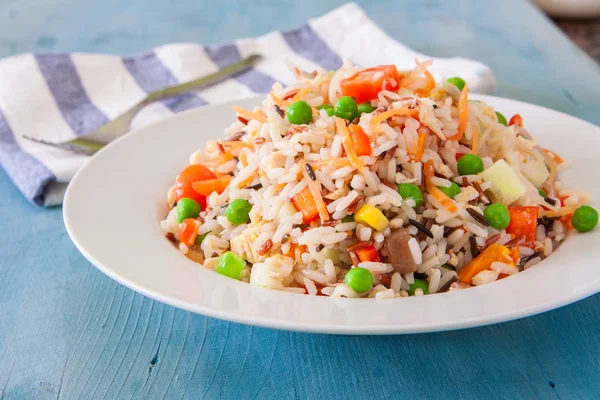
[[151, 74], [309, 44], [228, 54], [68, 92], [27, 172]]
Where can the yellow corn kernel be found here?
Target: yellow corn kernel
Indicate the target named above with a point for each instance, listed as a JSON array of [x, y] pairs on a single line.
[[371, 216]]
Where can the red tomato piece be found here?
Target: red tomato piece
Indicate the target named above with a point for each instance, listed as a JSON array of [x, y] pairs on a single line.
[[194, 173], [305, 203], [206, 187], [523, 221], [188, 231], [458, 156], [360, 140], [368, 253], [188, 192], [365, 85], [516, 120]]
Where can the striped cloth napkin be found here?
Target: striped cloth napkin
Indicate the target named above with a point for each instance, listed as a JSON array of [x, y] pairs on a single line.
[[57, 97]]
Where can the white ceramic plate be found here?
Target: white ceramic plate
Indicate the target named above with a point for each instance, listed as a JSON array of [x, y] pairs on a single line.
[[114, 204]]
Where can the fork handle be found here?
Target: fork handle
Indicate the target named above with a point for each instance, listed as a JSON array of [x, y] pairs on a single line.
[[208, 80]]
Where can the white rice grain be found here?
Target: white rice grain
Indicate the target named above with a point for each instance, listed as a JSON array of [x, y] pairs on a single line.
[[434, 280], [396, 282], [525, 251], [484, 277], [415, 251], [325, 180], [334, 238], [532, 262], [298, 188], [310, 287], [345, 226], [363, 233], [385, 294], [428, 265], [547, 247], [340, 173], [376, 267], [296, 290], [441, 182], [503, 268], [315, 276]]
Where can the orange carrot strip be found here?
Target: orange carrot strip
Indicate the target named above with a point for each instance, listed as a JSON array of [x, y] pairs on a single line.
[[475, 143], [279, 102], [332, 162], [463, 108], [552, 176], [236, 145], [348, 145], [494, 253], [558, 159], [301, 93], [246, 182], [249, 115], [434, 191], [316, 193], [379, 118], [420, 147], [424, 92], [243, 158]]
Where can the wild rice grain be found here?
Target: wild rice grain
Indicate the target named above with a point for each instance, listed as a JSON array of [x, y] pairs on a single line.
[[235, 137], [446, 286], [477, 216], [311, 172], [279, 111], [421, 228]]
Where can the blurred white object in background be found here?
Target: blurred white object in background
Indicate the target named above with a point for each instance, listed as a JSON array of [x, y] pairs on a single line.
[[570, 8]]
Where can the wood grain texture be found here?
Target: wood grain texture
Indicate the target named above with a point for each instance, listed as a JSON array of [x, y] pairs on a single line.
[[69, 332]]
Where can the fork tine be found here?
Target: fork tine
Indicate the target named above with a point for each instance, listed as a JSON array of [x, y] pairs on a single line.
[[72, 147]]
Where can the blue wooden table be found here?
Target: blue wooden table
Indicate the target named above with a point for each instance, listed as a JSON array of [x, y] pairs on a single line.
[[67, 331]]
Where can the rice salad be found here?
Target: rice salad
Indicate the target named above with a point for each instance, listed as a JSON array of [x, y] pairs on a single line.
[[372, 183]]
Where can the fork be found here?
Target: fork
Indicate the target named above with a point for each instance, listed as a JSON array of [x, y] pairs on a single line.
[[92, 142]]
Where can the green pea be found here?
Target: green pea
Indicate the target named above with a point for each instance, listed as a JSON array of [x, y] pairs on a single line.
[[359, 279], [469, 164], [237, 212], [346, 108], [542, 192], [327, 107], [299, 113], [230, 264], [458, 82], [497, 215], [411, 191], [187, 208], [585, 218], [451, 191], [200, 238], [419, 284], [348, 218], [365, 107], [501, 118]]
